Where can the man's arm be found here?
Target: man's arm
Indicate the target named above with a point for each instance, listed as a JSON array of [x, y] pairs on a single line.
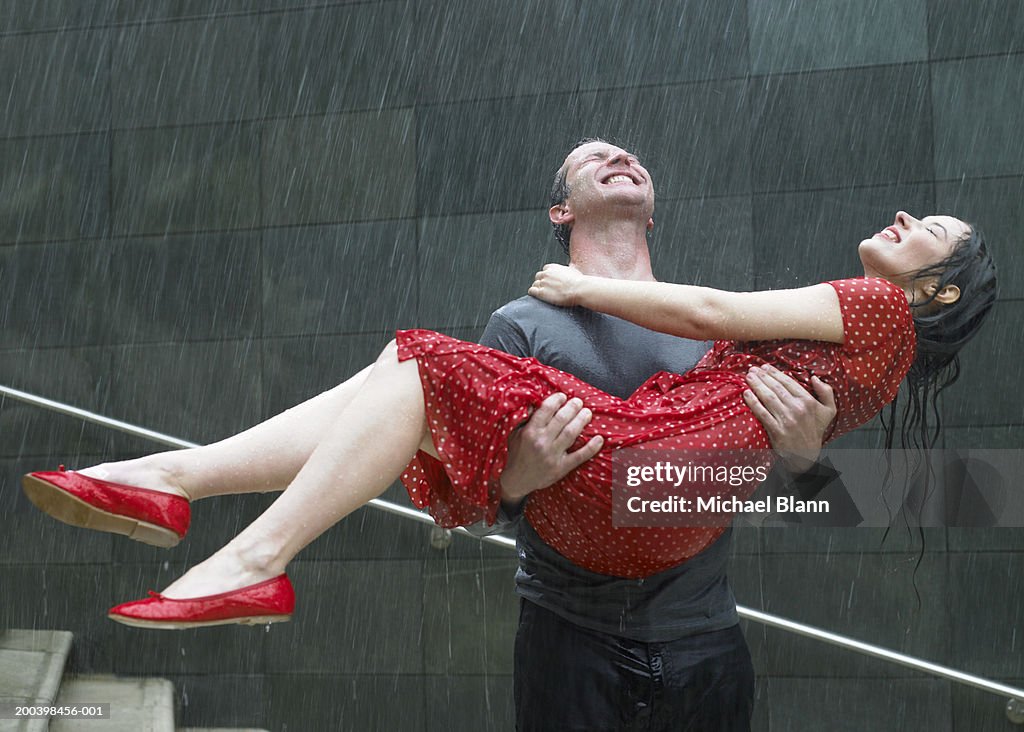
[[796, 423], [538, 452]]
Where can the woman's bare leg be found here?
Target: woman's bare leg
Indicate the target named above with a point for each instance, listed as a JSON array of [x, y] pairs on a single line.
[[263, 458], [359, 456]]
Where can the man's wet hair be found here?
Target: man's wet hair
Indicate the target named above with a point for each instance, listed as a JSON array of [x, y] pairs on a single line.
[[560, 192]]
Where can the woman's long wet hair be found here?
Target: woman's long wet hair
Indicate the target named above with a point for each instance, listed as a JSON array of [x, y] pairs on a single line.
[[941, 332]]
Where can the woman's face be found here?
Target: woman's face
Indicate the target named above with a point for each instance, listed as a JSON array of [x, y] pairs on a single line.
[[909, 245]]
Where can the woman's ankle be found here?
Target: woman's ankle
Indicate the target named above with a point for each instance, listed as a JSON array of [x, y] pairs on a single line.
[[153, 472], [225, 571], [256, 558]]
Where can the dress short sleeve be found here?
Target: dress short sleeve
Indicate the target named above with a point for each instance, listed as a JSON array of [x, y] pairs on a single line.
[[874, 312], [878, 344]]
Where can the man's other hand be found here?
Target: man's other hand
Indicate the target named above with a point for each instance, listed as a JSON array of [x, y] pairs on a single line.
[[538, 452], [795, 420]]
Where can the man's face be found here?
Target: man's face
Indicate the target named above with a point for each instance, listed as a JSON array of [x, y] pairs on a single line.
[[603, 177]]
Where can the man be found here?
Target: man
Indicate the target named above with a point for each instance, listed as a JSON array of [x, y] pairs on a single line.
[[595, 652]]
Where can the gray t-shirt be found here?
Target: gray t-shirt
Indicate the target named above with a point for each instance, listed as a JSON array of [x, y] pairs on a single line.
[[617, 357]]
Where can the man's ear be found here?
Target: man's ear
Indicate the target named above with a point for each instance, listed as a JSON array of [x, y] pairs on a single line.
[[650, 224], [947, 295], [560, 214]]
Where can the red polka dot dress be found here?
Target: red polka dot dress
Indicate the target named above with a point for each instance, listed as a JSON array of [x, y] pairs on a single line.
[[476, 396]]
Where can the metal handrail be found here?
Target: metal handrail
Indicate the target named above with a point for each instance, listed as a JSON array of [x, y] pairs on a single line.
[[1014, 706]]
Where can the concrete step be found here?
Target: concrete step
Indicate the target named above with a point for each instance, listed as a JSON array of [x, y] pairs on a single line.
[[32, 674], [31, 666], [136, 705]]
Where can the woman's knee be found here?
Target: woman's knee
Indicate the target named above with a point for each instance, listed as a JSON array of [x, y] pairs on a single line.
[[390, 353]]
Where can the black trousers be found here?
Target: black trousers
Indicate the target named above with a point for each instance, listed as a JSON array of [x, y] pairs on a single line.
[[569, 678]]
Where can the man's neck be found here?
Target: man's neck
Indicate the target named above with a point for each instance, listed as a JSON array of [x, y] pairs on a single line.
[[619, 252]]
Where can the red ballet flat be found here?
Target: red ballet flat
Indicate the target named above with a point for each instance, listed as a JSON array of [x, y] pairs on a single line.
[[146, 515], [270, 601]]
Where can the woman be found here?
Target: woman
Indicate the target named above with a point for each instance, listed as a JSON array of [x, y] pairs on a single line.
[[928, 285]]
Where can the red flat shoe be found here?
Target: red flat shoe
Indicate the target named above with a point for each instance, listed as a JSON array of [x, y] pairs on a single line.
[[149, 516], [270, 601]]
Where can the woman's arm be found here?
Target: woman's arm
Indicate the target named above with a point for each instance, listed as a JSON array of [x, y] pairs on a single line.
[[701, 313]]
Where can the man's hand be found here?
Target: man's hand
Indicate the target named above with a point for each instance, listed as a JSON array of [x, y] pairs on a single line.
[[795, 421], [538, 451]]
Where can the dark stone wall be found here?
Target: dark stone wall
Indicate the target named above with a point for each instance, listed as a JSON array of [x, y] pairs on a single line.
[[212, 210]]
